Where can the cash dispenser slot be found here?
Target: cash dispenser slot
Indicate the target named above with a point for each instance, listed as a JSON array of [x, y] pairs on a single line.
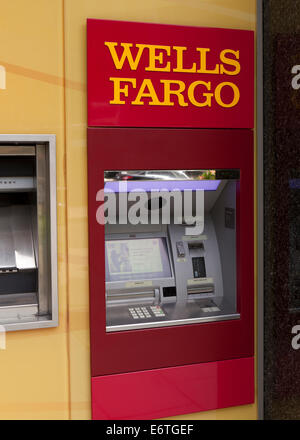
[[200, 290], [133, 297]]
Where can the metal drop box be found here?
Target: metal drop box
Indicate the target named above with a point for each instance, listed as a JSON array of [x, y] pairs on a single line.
[[28, 248]]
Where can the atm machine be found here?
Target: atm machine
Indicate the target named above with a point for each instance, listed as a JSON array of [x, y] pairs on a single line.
[[160, 274], [171, 296], [28, 274]]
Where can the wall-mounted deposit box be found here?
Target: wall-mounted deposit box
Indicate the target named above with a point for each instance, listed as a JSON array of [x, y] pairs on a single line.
[[28, 287]]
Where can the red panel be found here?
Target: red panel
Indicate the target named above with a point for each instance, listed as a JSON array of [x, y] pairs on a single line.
[[102, 70], [121, 149], [173, 391]]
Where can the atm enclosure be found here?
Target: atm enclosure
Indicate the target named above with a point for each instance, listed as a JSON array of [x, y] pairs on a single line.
[[168, 304], [162, 274]]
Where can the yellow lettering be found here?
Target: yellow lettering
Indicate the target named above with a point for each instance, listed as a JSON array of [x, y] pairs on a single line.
[[126, 55], [177, 92], [191, 94], [118, 90], [230, 62], [156, 54], [179, 67], [203, 62], [236, 94], [147, 85]]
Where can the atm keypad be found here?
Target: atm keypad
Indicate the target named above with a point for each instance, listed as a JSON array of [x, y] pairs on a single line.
[[158, 311], [139, 312], [144, 312], [133, 313]]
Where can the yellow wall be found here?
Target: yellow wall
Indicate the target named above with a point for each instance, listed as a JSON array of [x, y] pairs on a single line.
[[46, 373], [34, 367]]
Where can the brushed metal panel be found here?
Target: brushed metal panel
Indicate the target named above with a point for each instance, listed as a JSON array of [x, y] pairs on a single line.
[[16, 240], [18, 299], [8, 184], [23, 239], [7, 251], [12, 150]]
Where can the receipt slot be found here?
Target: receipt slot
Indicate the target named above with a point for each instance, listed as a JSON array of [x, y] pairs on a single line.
[[28, 292], [171, 301]]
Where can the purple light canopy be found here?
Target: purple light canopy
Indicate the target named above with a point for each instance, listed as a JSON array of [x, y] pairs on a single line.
[[156, 185]]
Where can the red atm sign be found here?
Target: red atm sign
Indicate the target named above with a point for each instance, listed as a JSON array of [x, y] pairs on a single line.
[[151, 75]]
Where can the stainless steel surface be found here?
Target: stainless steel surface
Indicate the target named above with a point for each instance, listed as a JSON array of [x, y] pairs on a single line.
[[23, 314], [16, 242], [120, 319], [53, 306], [17, 313], [180, 175], [43, 216], [8, 184], [21, 225], [30, 322], [199, 290], [127, 297], [9, 150], [7, 254], [18, 299], [147, 175], [18, 306]]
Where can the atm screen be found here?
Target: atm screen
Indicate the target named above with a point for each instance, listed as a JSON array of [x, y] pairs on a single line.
[[139, 259]]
